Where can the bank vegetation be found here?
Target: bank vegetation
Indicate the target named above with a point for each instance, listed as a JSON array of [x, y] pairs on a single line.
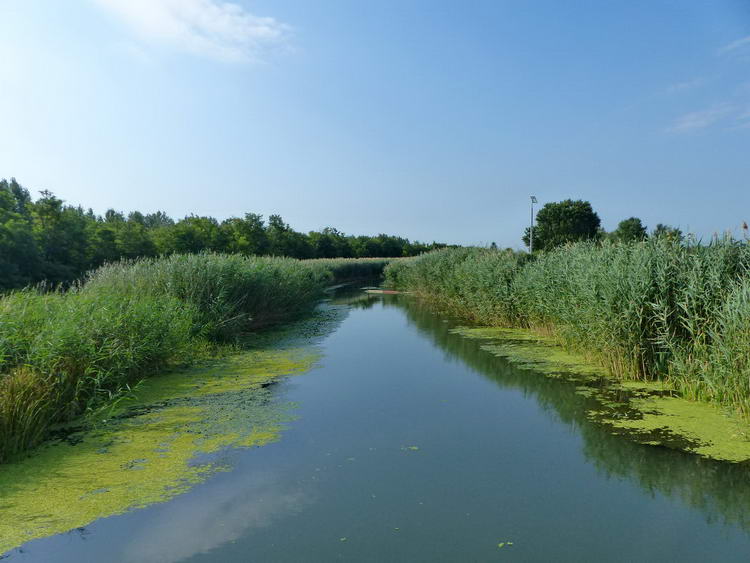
[[64, 353], [658, 309]]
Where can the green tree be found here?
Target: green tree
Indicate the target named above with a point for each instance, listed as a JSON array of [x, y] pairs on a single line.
[[48, 240], [194, 234], [19, 254], [246, 236], [662, 230], [330, 243], [391, 246], [133, 239], [112, 216], [63, 238], [103, 246], [285, 241], [561, 222], [630, 229], [157, 220]]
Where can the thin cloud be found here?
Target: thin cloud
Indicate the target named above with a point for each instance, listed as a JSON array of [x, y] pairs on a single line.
[[740, 44], [683, 86], [210, 28], [697, 120], [743, 120]]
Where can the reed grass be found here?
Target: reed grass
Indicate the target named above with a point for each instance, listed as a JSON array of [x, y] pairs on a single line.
[[66, 353], [350, 269], [656, 309]]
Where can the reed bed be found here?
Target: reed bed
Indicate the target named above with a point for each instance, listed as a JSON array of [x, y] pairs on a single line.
[[657, 309], [349, 269], [66, 353]]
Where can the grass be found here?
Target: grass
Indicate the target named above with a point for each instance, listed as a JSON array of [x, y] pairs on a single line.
[[63, 354], [348, 269], [649, 310]]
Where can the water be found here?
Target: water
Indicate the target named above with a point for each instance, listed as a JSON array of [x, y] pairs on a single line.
[[413, 444]]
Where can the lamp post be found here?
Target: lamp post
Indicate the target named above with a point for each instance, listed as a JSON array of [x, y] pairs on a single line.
[[531, 230]]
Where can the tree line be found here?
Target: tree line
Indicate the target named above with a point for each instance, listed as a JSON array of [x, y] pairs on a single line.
[[47, 240], [561, 222]]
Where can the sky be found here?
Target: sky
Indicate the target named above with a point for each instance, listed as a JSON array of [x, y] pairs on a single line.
[[429, 119]]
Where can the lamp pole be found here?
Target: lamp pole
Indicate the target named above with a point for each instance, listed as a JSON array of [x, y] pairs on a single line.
[[531, 230]]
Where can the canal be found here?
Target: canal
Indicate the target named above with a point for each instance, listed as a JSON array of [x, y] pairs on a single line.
[[406, 441]]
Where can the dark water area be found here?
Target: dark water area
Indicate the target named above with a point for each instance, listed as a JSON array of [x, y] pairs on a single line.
[[411, 443]]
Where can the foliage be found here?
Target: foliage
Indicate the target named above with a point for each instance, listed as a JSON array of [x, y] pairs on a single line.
[[666, 231], [64, 353], [558, 223], [654, 309], [19, 254], [347, 269], [629, 230], [46, 240]]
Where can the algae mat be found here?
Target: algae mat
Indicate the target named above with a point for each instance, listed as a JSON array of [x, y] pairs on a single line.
[[646, 412], [152, 449]]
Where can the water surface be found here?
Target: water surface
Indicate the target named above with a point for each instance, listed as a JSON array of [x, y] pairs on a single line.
[[411, 443]]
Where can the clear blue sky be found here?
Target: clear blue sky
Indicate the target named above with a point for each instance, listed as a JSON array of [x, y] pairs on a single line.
[[434, 120]]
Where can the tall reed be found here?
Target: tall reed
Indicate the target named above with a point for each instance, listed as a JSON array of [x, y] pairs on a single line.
[[63, 353], [652, 309]]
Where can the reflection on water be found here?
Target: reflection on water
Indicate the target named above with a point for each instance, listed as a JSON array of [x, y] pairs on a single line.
[[197, 526], [720, 490]]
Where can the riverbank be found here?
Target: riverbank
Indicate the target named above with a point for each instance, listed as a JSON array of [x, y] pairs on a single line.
[[644, 412], [649, 311], [68, 353], [162, 441]]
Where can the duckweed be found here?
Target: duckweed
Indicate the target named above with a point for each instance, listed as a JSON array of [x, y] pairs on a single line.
[[146, 452], [650, 413], [531, 350]]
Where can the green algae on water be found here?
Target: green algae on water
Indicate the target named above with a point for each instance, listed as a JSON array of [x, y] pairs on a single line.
[[530, 350], [700, 428], [146, 452], [647, 412]]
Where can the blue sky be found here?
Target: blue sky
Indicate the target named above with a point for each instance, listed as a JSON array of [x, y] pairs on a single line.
[[434, 120]]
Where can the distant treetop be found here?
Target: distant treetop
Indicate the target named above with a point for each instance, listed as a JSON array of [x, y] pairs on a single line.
[[48, 240], [630, 229], [561, 222]]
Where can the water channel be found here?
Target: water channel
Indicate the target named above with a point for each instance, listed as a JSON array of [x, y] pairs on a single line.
[[405, 441]]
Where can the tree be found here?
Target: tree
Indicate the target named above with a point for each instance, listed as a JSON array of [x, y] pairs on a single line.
[[194, 234], [630, 229], [330, 243], [285, 241], [62, 238], [19, 255], [246, 236], [112, 216], [133, 238], [662, 230], [137, 217], [158, 219], [102, 243], [49, 240], [391, 246], [561, 222]]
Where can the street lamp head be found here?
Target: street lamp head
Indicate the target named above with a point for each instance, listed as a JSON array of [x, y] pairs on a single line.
[[533, 199]]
